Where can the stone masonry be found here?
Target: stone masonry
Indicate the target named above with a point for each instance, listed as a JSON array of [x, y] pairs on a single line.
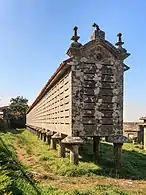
[[84, 97]]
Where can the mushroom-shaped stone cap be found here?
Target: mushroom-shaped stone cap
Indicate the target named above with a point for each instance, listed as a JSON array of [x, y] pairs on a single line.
[[56, 136], [117, 139], [50, 133], [72, 140], [44, 131]]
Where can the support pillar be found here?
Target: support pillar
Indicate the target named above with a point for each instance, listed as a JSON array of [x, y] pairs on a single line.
[[39, 134], [48, 139], [48, 136], [61, 147], [118, 143], [118, 154], [74, 154], [73, 143], [53, 144], [44, 136], [96, 147], [144, 137]]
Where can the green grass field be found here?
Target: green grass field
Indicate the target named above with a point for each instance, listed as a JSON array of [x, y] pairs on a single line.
[[29, 167]]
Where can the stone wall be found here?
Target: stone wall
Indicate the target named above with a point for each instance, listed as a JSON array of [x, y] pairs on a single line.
[[53, 111], [97, 92], [133, 130], [88, 99]]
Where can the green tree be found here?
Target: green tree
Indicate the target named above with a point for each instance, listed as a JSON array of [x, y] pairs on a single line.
[[17, 112]]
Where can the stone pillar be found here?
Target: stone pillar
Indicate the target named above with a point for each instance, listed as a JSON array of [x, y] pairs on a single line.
[[61, 148], [73, 143], [35, 130], [96, 147], [53, 144], [39, 133], [118, 153], [48, 139], [44, 135], [118, 143], [48, 136], [74, 154], [144, 137]]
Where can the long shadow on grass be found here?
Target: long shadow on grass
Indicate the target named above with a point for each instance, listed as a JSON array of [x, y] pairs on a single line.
[[133, 162], [13, 131], [17, 174]]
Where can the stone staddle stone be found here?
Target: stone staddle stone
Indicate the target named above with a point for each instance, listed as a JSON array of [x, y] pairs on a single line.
[[72, 140], [57, 136], [49, 133], [117, 139], [43, 131]]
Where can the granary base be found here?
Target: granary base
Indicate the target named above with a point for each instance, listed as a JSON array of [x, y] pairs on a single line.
[[144, 132], [61, 147], [118, 143], [96, 147], [48, 137], [53, 144], [118, 153], [73, 143]]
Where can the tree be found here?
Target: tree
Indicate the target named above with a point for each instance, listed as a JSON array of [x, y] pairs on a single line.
[[16, 112]]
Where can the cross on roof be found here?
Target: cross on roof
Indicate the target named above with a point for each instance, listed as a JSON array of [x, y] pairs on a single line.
[[75, 37]]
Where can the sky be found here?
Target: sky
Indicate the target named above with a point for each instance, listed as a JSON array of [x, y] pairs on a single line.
[[35, 35]]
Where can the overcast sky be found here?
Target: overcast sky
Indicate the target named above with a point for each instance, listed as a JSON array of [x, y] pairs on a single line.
[[35, 35]]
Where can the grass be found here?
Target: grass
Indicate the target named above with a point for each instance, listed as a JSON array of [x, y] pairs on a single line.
[[28, 166]]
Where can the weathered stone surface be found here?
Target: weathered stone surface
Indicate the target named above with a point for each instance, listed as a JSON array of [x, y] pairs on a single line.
[[118, 154], [57, 136], [117, 139], [53, 144], [96, 147], [85, 97], [72, 140], [49, 133]]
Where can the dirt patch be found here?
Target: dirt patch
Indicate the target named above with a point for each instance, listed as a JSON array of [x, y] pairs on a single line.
[[86, 183], [34, 166]]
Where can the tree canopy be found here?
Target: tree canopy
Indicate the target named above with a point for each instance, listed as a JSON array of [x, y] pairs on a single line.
[[16, 113]]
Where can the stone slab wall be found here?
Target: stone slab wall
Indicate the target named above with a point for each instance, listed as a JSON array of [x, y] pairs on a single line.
[[53, 111], [97, 89]]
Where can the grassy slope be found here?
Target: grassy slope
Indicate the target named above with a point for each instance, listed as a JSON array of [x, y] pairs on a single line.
[[29, 167]]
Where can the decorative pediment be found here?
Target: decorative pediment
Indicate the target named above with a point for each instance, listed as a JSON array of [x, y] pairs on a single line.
[[99, 51]]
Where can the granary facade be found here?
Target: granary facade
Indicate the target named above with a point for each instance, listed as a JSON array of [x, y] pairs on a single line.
[[84, 97]]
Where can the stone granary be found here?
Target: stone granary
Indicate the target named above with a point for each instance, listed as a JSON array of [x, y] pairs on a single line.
[[83, 98], [132, 130], [143, 129]]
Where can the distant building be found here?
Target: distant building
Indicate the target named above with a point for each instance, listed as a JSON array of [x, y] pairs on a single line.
[[135, 130], [131, 129], [4, 116]]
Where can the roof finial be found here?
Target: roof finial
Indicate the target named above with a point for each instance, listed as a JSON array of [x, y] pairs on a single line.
[[75, 37], [119, 43], [96, 27], [97, 33]]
